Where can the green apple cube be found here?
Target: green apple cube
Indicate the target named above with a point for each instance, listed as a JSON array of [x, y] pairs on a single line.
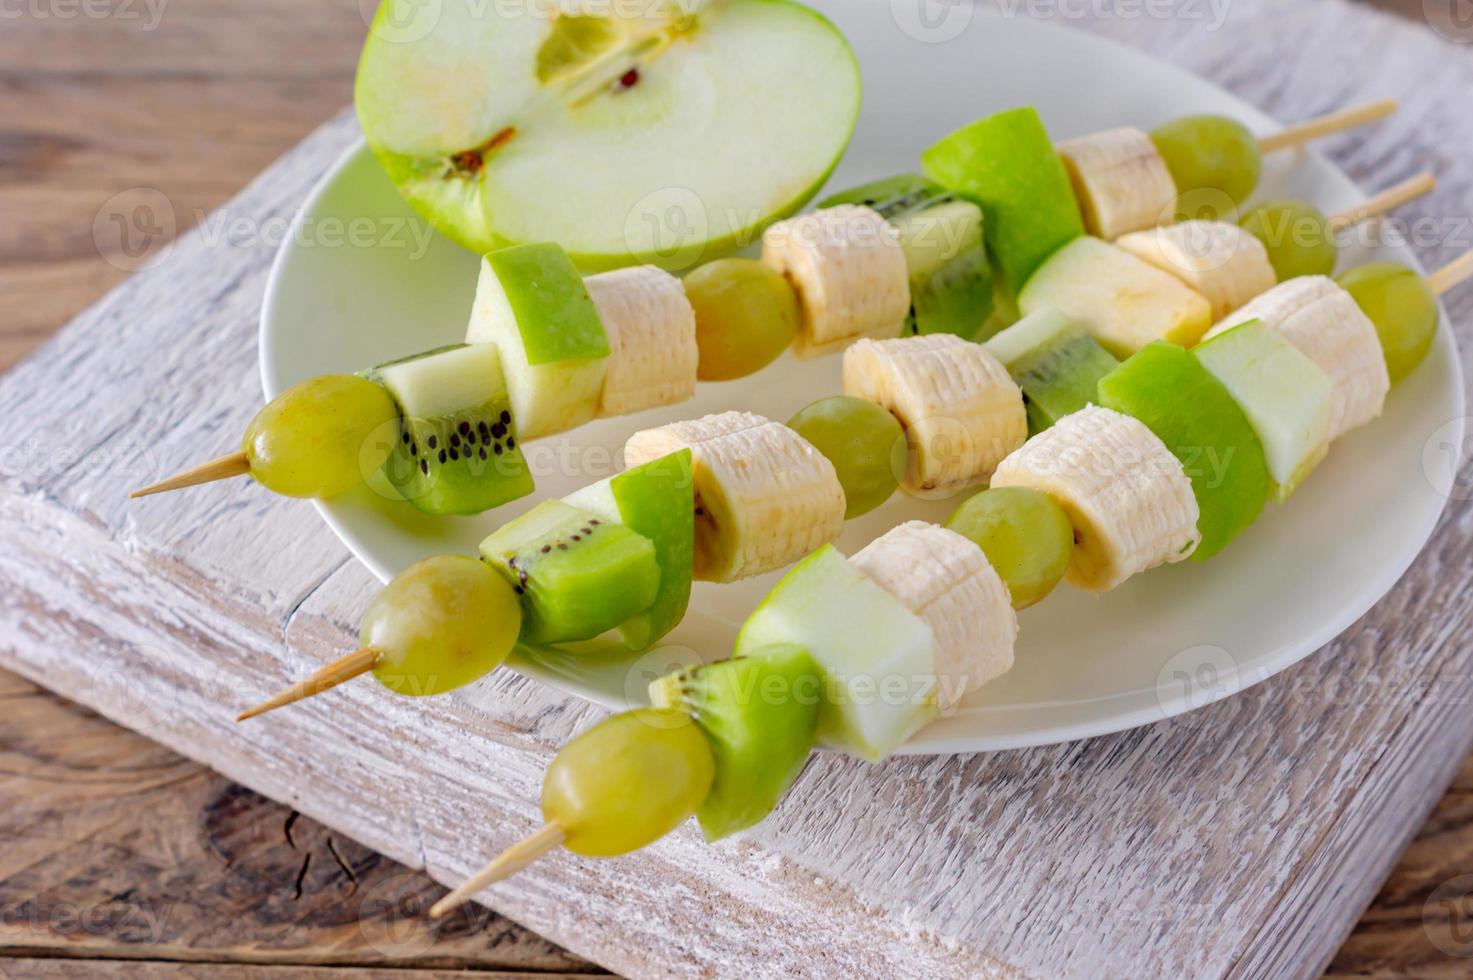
[[1119, 299], [1198, 419], [1284, 394], [532, 304], [760, 714], [1008, 163], [656, 500], [456, 451], [667, 132], [579, 575], [876, 656], [1054, 363]]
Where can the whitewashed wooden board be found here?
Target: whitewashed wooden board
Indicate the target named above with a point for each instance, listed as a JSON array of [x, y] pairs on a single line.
[[1242, 840]]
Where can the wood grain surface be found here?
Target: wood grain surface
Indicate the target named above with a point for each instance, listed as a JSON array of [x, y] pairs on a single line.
[[109, 822]]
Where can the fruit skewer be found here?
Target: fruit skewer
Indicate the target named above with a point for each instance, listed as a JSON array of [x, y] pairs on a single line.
[[715, 748], [1128, 180], [959, 408], [614, 344]]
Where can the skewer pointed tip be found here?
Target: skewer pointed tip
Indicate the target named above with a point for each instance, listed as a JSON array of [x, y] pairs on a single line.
[[329, 677], [235, 464], [507, 863]]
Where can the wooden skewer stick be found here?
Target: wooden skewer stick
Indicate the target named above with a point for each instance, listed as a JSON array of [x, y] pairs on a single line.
[[1455, 273], [1388, 200], [223, 468], [1313, 129], [329, 677], [507, 863]]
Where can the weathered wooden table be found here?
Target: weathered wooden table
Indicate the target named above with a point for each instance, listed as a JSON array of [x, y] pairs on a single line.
[[1273, 837]]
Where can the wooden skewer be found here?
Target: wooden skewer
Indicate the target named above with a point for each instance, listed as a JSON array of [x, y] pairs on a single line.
[[329, 677], [236, 464], [1455, 273], [1313, 129], [507, 863], [1388, 200]]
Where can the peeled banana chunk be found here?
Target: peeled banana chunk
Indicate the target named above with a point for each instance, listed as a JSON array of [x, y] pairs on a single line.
[[961, 410], [1126, 494], [651, 328], [850, 273], [764, 496]]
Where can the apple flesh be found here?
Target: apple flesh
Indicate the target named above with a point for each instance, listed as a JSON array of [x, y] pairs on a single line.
[[532, 304], [665, 133]]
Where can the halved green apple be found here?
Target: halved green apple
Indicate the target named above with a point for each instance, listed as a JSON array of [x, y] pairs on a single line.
[[663, 131]]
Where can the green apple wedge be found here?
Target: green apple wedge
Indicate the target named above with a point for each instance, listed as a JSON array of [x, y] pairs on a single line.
[[665, 132]]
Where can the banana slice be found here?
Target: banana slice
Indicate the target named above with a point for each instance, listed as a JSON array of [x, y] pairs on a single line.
[[1321, 319], [1121, 181], [652, 333], [1221, 261], [947, 581], [764, 496], [850, 273], [961, 411], [1127, 496]]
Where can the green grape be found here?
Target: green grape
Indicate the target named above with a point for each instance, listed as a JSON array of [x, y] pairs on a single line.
[[864, 442], [1209, 156], [1401, 305], [1297, 236], [1026, 536], [441, 624], [628, 781], [321, 437], [746, 316]]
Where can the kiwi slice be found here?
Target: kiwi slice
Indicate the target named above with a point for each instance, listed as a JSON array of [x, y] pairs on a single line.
[[656, 500], [579, 574], [457, 450], [941, 232], [1198, 419], [759, 714], [1054, 362]]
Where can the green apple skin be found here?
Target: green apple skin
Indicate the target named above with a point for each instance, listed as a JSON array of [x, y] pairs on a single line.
[[656, 500], [1009, 164], [482, 206], [1198, 419], [532, 304]]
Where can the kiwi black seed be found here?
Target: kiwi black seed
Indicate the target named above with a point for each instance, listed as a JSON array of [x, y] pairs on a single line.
[[433, 441], [464, 428], [442, 456], [506, 418]]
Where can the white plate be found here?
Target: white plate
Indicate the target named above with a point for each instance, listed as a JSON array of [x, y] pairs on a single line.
[[352, 288]]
